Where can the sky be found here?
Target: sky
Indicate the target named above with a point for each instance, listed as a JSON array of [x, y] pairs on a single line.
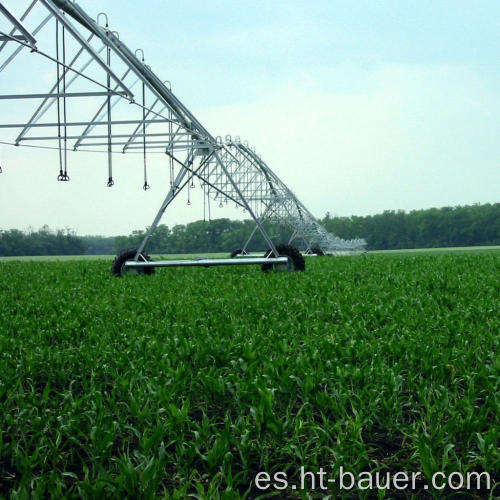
[[358, 106]]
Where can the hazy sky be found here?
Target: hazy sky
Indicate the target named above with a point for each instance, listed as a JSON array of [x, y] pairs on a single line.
[[359, 107]]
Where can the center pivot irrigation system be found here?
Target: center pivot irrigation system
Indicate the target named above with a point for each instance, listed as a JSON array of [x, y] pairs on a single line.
[[103, 97]]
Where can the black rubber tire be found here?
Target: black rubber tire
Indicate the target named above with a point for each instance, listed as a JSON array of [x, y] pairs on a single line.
[[296, 258], [318, 251], [123, 256], [234, 253]]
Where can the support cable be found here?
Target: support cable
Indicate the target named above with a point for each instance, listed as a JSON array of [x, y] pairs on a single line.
[[171, 144], [146, 185], [108, 81], [171, 169], [204, 201], [86, 150], [191, 181], [60, 177], [208, 206], [65, 174]]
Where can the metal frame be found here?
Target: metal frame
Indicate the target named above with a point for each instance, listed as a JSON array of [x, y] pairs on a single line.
[[276, 261], [228, 170]]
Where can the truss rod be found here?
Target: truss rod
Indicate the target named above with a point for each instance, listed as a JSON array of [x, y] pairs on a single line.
[[23, 17], [150, 79], [23, 44], [19, 25], [61, 94], [11, 38], [204, 179], [44, 107], [172, 193], [247, 206], [81, 124], [50, 6], [101, 113], [117, 136], [44, 54], [131, 100], [135, 133], [139, 146]]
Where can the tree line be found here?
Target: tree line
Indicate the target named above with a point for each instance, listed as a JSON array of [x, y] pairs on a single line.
[[218, 235], [470, 225], [436, 227], [41, 242]]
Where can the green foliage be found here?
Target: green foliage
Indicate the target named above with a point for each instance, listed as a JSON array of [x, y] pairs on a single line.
[[443, 227], [41, 242], [219, 235], [191, 381]]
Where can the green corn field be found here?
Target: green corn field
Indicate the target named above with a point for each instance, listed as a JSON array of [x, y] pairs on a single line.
[[189, 382]]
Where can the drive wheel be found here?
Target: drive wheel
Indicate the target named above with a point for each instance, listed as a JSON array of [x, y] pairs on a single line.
[[236, 252], [296, 260], [118, 266], [318, 251]]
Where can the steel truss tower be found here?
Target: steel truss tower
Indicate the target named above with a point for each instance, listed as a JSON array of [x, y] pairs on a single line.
[[118, 104]]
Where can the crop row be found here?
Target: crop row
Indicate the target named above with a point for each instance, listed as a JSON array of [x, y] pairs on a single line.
[[191, 381]]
